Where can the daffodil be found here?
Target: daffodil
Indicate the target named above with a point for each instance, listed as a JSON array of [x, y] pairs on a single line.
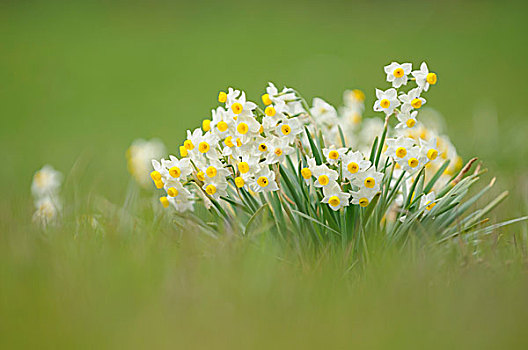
[[386, 101], [353, 164], [46, 182], [397, 73], [428, 149], [280, 148], [363, 196], [288, 129], [335, 197], [412, 100], [427, 202], [324, 176], [406, 120], [398, 148], [369, 179], [177, 168], [264, 181], [424, 78], [333, 155]]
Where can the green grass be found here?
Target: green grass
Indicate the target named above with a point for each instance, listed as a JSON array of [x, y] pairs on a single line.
[[81, 80]]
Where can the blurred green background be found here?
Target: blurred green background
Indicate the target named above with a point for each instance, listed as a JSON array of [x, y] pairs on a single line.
[[81, 80]]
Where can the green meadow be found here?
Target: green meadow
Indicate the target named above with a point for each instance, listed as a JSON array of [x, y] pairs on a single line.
[[81, 80]]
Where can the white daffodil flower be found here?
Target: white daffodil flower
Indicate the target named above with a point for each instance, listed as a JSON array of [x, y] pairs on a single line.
[[333, 155], [48, 209], [424, 78], [46, 182], [264, 181], [222, 123], [334, 197], [412, 100], [280, 148], [363, 197], [413, 162], [370, 179], [215, 187], [288, 129], [428, 150], [323, 112], [177, 168], [246, 128], [214, 169], [239, 106], [397, 74], [160, 174], [406, 120], [353, 163], [386, 101], [399, 147], [324, 176], [428, 202]]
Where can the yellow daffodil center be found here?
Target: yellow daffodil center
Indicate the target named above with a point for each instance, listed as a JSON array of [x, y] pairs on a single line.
[[306, 173], [263, 181], [385, 103], [221, 126], [333, 155], [285, 129], [430, 206], [155, 175], [229, 141], [200, 175], [243, 167], [323, 180], [210, 189], [353, 167], [189, 145], [183, 151], [363, 202], [239, 182], [236, 108], [278, 151], [203, 147], [159, 184], [401, 152], [206, 125], [261, 129], [413, 162], [238, 142], [270, 111], [360, 96], [431, 78], [432, 154], [370, 182], [211, 171], [164, 201], [334, 201], [398, 72], [266, 99], [172, 192], [242, 128], [410, 123], [222, 97], [416, 103], [175, 171], [262, 147]]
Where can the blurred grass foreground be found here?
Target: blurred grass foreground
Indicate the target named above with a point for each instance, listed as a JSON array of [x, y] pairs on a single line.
[[81, 80]]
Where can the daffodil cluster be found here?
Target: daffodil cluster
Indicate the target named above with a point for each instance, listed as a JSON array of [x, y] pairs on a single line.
[[238, 153], [45, 190]]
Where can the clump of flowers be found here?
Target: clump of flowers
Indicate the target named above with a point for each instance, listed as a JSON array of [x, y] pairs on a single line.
[[139, 156], [323, 172], [45, 190]]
